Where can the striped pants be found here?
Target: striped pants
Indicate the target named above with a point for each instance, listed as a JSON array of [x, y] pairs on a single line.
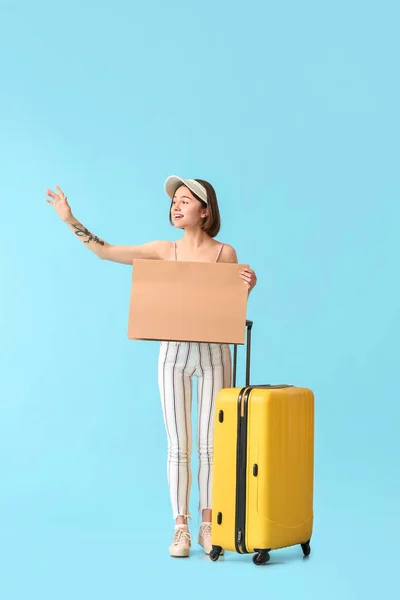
[[178, 363]]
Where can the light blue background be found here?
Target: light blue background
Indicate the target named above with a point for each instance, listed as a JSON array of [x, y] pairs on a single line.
[[290, 109]]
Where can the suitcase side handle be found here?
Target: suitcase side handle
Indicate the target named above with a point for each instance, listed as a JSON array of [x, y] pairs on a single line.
[[249, 325]]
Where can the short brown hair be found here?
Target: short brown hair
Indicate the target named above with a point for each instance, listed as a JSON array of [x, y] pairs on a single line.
[[212, 223]]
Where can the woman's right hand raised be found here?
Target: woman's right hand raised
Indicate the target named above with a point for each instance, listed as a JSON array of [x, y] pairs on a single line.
[[59, 202]]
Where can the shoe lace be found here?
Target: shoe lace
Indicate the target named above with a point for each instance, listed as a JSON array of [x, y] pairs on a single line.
[[206, 532], [181, 536]]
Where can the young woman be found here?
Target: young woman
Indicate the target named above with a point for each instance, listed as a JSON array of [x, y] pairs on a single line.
[[194, 209]]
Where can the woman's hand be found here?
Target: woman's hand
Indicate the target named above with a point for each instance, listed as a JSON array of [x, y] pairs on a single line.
[[249, 277], [59, 202]]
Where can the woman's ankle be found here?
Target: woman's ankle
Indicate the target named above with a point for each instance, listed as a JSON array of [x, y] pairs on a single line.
[[207, 515]]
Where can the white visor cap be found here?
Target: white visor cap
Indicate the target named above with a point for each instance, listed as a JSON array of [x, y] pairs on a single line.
[[173, 182]]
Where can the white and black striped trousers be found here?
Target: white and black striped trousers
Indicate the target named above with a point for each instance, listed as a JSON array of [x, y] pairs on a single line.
[[178, 363]]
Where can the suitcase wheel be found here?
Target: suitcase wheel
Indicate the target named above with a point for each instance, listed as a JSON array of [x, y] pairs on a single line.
[[261, 558], [215, 553], [306, 548]]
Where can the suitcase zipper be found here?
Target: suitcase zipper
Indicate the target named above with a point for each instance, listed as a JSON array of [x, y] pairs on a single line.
[[239, 537], [241, 471]]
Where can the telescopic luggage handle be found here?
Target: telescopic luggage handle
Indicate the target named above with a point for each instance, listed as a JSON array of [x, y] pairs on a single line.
[[249, 325]]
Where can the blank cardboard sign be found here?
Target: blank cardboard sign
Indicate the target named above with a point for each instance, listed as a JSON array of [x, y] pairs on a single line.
[[187, 301]]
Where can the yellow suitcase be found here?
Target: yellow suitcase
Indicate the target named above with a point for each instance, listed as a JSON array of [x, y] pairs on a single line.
[[263, 468]]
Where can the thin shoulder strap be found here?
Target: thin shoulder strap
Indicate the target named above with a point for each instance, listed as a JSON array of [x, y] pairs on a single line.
[[219, 252]]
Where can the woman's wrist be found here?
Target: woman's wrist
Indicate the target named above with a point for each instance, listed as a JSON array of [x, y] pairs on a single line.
[[70, 219]]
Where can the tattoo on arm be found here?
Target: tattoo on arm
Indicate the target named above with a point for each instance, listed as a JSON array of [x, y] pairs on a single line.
[[81, 231]]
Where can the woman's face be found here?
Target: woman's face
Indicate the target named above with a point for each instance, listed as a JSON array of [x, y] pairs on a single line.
[[186, 210]]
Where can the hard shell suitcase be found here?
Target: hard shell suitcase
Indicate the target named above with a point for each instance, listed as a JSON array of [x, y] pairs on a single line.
[[262, 495]]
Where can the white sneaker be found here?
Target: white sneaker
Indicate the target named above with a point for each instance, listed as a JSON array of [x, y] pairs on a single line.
[[204, 538], [181, 543]]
